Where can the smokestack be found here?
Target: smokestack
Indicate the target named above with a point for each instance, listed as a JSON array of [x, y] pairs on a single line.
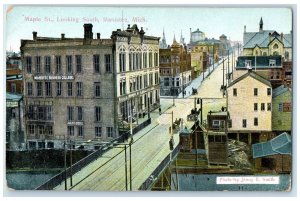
[[88, 31], [98, 35], [34, 34], [62, 36], [270, 37]]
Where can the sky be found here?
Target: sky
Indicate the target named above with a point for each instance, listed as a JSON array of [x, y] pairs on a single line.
[[51, 21]]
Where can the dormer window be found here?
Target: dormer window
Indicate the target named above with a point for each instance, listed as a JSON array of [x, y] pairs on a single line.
[[248, 63], [272, 62], [275, 46]]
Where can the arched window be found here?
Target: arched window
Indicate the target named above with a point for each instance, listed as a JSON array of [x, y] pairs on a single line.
[[275, 46], [275, 53], [122, 59]]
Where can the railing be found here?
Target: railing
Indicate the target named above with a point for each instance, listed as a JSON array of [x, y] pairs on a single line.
[[160, 168], [59, 178]]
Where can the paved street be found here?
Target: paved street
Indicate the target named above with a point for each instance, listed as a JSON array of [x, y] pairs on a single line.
[[150, 146]]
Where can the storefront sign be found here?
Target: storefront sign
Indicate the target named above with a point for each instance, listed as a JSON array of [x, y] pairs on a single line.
[[54, 77], [77, 123]]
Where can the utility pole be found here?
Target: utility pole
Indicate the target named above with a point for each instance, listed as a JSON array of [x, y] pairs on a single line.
[[71, 163], [126, 167], [223, 73], [65, 163], [201, 111], [148, 108], [228, 67]]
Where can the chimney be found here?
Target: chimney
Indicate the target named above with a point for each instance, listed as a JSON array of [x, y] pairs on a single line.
[[244, 28], [62, 36], [34, 34], [270, 37], [88, 31], [98, 35], [281, 36]]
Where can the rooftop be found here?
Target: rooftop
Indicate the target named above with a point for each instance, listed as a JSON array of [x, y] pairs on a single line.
[[253, 75], [13, 97], [259, 62], [281, 144], [280, 90]]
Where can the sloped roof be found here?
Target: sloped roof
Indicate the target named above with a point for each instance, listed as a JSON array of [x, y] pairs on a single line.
[[281, 144], [262, 39], [280, 90], [253, 75], [185, 131]]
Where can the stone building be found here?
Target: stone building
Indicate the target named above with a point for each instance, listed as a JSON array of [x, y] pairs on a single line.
[[175, 69], [78, 88], [267, 43]]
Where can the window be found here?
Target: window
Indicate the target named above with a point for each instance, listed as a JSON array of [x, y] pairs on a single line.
[[255, 121], [156, 59], [272, 62], [31, 129], [145, 59], [58, 64], [49, 113], [150, 79], [97, 114], [49, 130], [97, 89], [269, 91], [262, 107], [109, 131], [58, 88], [69, 64], [269, 106], [275, 46], [255, 106], [145, 81], [79, 113], [70, 88], [156, 78], [108, 63], [255, 91], [50, 145], [39, 88], [38, 64], [234, 92], [122, 87], [287, 107], [166, 81], [216, 123], [150, 60], [48, 87], [28, 64], [130, 61], [78, 63], [98, 131], [79, 88], [80, 131], [41, 130], [47, 64], [244, 123], [122, 61], [70, 113], [71, 130], [29, 89], [248, 63], [13, 88], [96, 60], [280, 107], [229, 123], [41, 113]]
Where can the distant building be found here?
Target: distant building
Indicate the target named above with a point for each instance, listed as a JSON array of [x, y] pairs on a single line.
[[14, 83], [282, 109], [287, 73], [83, 89], [267, 43], [269, 67], [225, 46], [175, 69], [250, 108], [196, 36], [163, 42], [199, 59]]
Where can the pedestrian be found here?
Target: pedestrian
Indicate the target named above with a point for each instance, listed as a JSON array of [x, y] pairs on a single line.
[[159, 110]]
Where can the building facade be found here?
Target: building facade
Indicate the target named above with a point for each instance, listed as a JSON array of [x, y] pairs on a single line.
[[250, 108], [282, 109], [175, 69], [75, 88]]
